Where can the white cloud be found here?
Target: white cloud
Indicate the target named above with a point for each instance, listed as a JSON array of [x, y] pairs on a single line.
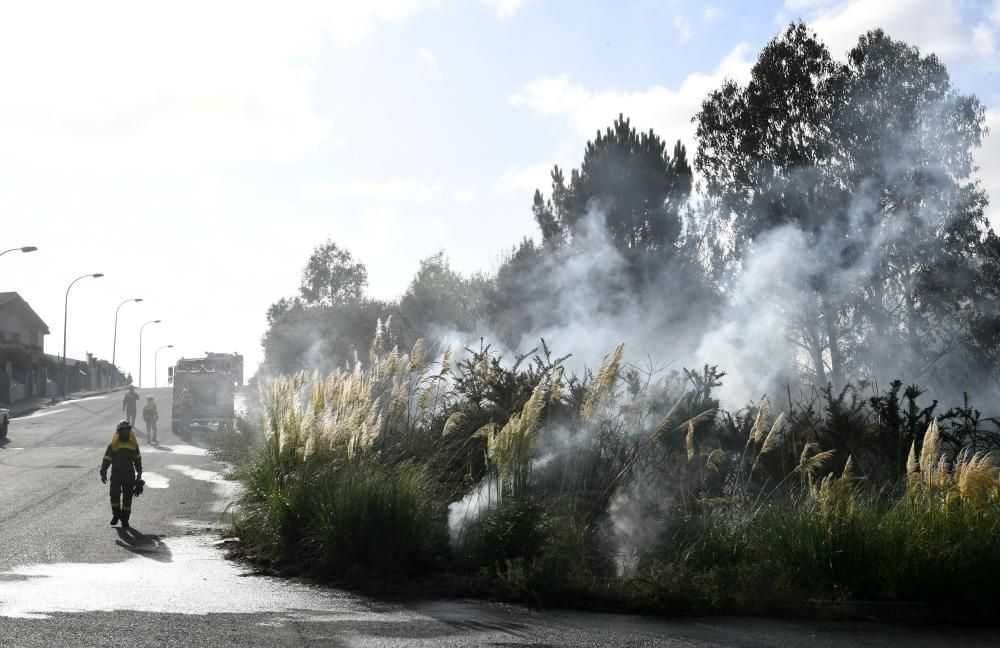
[[525, 179], [397, 190], [933, 25], [428, 61], [350, 21], [710, 14], [504, 8], [994, 13], [806, 4], [464, 196], [666, 110], [683, 27], [984, 42], [118, 83], [988, 159]]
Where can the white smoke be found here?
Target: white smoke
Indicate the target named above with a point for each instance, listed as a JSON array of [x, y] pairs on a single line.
[[464, 513]]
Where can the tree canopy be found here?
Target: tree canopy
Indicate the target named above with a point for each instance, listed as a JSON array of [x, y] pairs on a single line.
[[332, 277], [871, 159], [628, 178]]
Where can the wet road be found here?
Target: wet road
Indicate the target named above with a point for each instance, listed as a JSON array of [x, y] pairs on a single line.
[[68, 579]]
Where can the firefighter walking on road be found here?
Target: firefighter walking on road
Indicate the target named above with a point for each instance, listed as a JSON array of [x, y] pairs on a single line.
[[150, 416], [125, 461], [129, 405]]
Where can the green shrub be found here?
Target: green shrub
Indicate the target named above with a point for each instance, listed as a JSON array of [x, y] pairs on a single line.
[[366, 514]]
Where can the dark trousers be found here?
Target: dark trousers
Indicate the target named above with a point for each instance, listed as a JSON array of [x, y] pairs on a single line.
[[122, 490], [130, 417]]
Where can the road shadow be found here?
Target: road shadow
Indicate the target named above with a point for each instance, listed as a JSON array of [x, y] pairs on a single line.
[[147, 546], [4, 441], [156, 444]]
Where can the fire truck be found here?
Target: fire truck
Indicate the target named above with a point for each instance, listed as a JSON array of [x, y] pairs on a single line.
[[204, 388]]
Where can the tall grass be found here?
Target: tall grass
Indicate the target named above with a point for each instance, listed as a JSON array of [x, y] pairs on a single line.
[[626, 483], [317, 492], [934, 539]]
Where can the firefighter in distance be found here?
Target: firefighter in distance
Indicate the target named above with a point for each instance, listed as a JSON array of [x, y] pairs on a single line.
[[150, 416]]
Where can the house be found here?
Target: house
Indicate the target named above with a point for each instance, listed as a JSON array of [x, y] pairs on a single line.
[[19, 323], [22, 338]]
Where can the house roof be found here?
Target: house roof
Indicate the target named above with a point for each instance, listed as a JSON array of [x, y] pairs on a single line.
[[9, 297]]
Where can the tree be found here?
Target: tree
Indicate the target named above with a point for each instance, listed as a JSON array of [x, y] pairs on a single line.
[[331, 324], [632, 179], [332, 277], [282, 307], [761, 149], [322, 337], [440, 297], [870, 161], [906, 139]]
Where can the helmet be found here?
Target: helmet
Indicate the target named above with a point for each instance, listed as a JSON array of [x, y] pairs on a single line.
[[123, 426]]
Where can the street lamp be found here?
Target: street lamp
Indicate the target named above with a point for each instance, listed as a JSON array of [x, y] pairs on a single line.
[[62, 368], [165, 346], [140, 347], [26, 248], [114, 342]]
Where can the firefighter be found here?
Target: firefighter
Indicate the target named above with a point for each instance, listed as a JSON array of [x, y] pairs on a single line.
[[126, 467], [129, 405], [150, 416]]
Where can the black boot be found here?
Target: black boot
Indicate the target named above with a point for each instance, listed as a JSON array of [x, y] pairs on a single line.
[[114, 518], [125, 520]]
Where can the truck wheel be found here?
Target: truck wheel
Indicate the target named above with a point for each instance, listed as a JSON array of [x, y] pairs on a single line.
[[3, 428]]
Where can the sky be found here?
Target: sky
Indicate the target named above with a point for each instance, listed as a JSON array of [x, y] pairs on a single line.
[[196, 152]]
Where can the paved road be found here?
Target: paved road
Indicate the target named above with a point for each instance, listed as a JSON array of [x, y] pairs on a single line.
[[68, 579]]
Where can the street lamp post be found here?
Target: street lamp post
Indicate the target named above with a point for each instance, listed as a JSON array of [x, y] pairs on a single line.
[[140, 347], [114, 342], [26, 248], [62, 367], [165, 346]]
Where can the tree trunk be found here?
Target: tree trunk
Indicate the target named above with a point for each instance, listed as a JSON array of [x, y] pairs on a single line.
[[833, 340]]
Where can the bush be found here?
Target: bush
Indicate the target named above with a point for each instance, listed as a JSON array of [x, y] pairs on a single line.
[[234, 441], [934, 540], [365, 514]]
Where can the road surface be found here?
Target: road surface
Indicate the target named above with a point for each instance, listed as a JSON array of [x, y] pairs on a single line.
[[69, 579]]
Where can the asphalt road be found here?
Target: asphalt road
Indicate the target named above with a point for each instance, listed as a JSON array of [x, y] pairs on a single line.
[[69, 579]]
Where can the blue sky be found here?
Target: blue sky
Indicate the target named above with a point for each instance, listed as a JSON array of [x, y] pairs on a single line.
[[195, 152]]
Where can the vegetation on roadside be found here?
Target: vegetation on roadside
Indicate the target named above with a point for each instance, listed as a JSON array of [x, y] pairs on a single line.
[[625, 486], [839, 240]]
